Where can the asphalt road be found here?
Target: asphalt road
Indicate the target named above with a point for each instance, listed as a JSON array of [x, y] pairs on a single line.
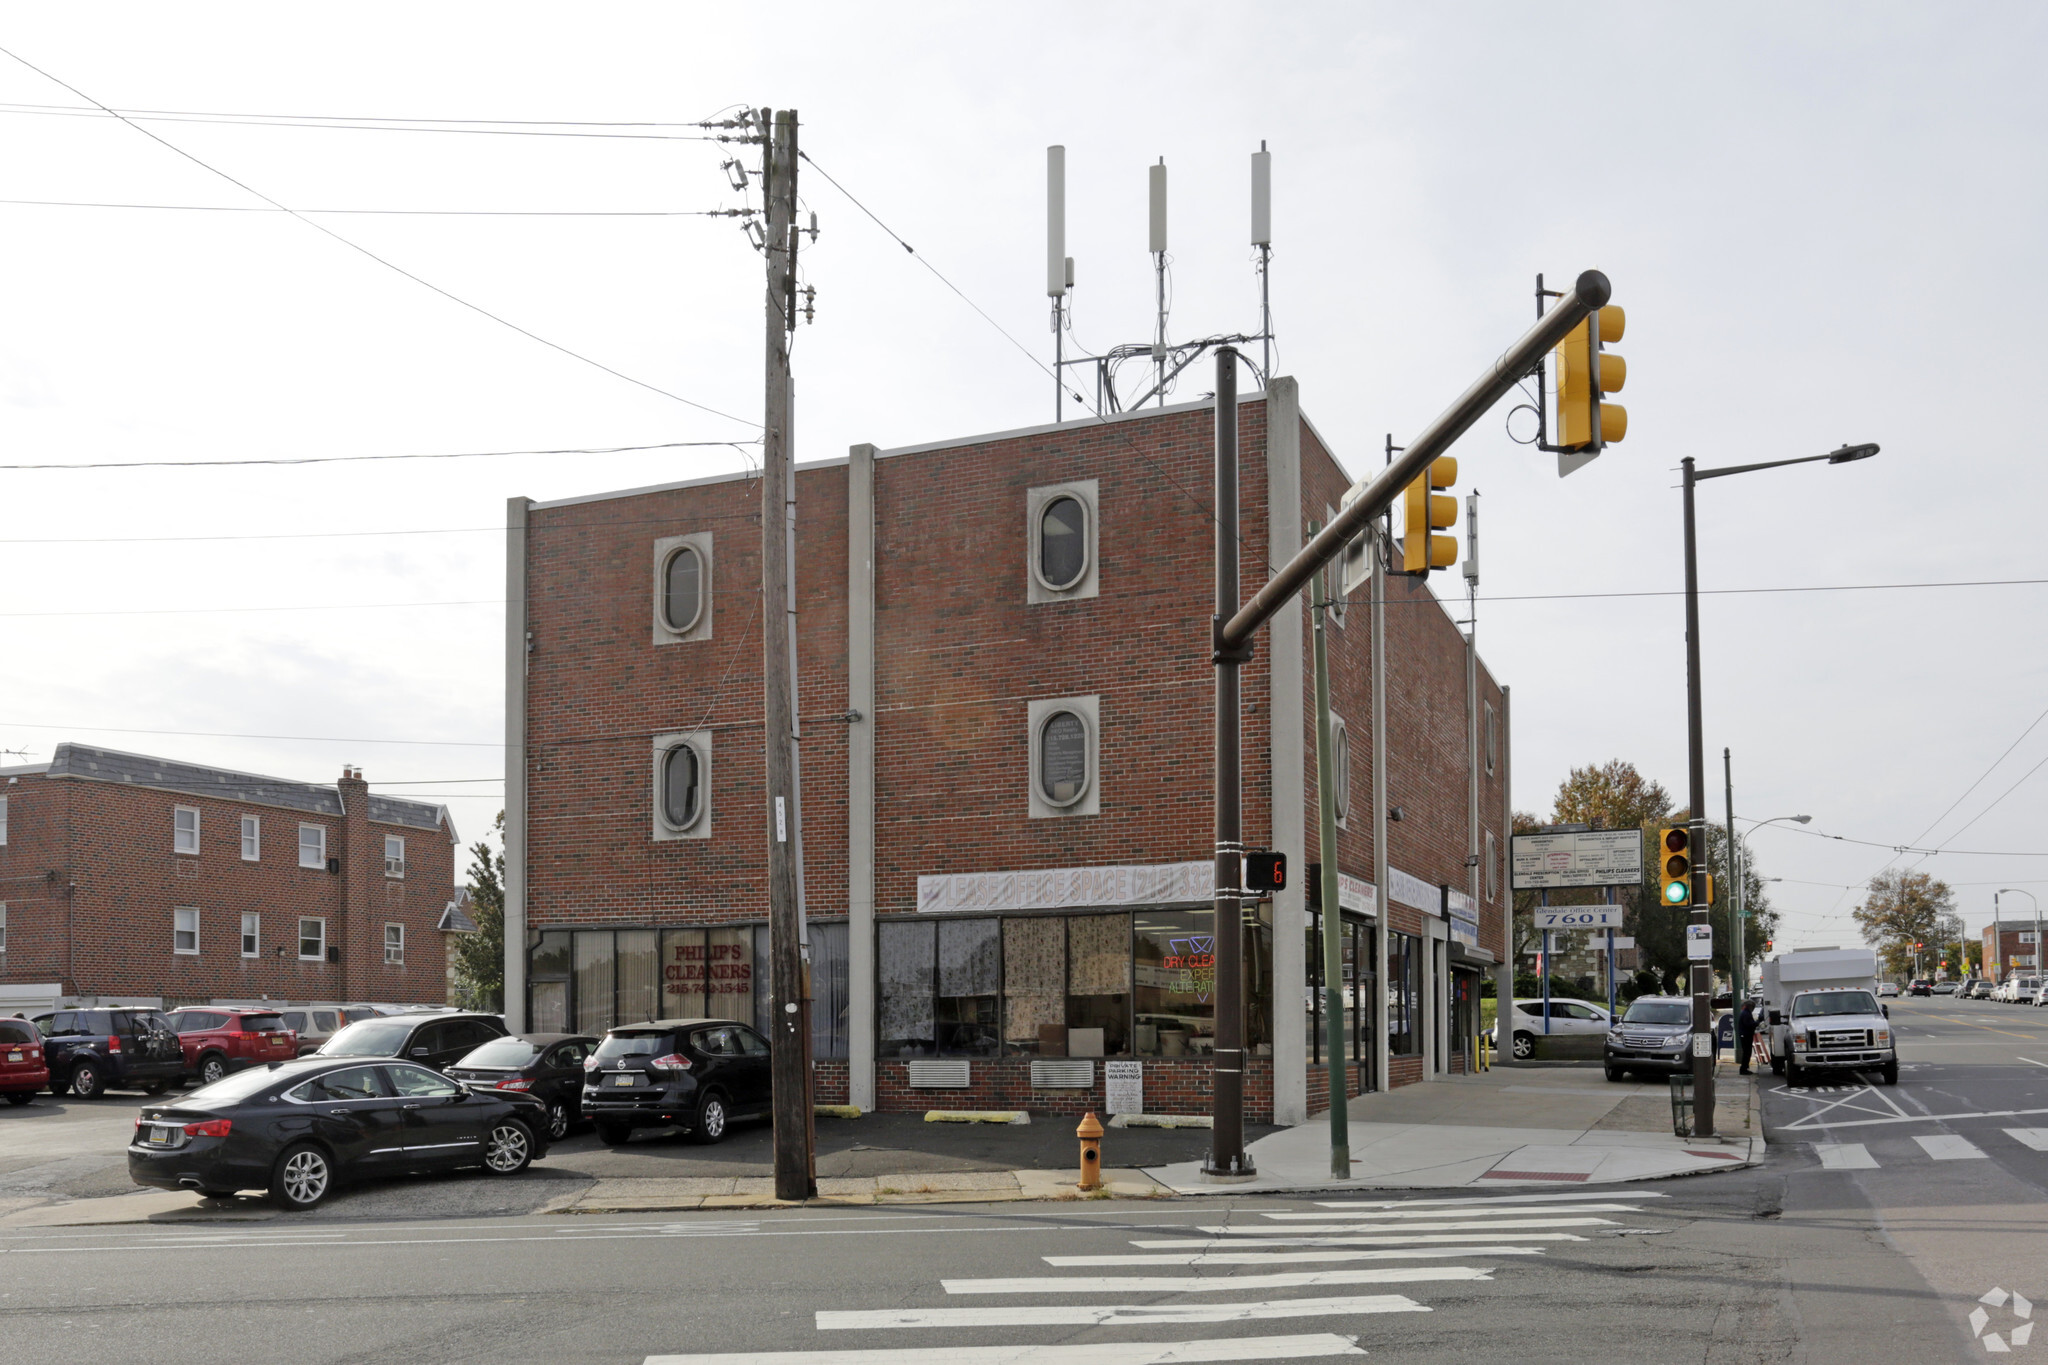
[[1858, 1242]]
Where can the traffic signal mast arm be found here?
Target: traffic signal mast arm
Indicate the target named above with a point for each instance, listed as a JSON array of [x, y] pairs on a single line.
[[1589, 292]]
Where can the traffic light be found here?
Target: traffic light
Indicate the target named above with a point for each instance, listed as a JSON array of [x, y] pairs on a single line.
[[1674, 864], [1423, 513], [1584, 419], [1769, 944]]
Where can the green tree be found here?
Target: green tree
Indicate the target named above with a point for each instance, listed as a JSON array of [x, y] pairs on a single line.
[[1903, 908], [480, 957]]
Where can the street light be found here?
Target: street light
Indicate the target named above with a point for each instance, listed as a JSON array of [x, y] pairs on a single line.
[[1738, 866], [1703, 972], [2037, 920]]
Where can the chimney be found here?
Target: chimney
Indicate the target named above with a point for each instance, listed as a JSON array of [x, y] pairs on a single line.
[[359, 935]]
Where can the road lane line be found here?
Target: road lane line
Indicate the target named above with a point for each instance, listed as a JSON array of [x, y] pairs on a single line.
[[1949, 1147], [2031, 1062], [1111, 1315], [1239, 1243], [1283, 1257], [1213, 1284], [1489, 1227], [1487, 1201], [1804, 1125], [2037, 1138], [1461, 1213], [1312, 1346], [1844, 1156]]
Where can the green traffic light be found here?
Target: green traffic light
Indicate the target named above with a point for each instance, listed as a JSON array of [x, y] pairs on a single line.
[[1676, 893]]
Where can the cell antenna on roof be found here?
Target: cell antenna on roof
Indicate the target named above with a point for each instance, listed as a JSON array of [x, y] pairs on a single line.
[[1058, 265], [1157, 246], [1262, 238]]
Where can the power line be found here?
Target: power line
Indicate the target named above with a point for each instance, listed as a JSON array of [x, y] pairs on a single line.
[[424, 213], [532, 530], [230, 734], [508, 128], [351, 459], [707, 122], [365, 251]]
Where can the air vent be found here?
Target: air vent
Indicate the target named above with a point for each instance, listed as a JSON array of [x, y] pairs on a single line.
[[943, 1075], [1062, 1073]]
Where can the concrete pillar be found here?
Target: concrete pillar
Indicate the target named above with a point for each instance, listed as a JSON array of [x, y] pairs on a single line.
[[1287, 732], [515, 763], [860, 776]]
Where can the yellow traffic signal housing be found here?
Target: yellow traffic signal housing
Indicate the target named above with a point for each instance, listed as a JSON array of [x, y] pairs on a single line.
[[1424, 513], [1674, 865], [1706, 881], [1581, 407]]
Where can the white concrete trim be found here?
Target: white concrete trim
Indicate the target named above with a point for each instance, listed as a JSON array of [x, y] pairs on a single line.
[[860, 776], [1287, 747], [516, 510]]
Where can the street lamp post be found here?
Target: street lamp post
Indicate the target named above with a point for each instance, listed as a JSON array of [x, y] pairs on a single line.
[[1696, 787], [1738, 872], [2037, 921]]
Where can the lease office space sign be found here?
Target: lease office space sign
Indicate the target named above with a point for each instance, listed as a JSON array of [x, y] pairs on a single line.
[[1598, 857]]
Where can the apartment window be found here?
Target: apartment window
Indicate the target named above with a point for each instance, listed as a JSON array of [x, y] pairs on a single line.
[[394, 945], [682, 588], [185, 930], [313, 846], [1492, 866], [1061, 538], [1063, 766], [1492, 739], [2026, 935], [1340, 767], [252, 934], [394, 855], [185, 829], [312, 940], [252, 838], [682, 785]]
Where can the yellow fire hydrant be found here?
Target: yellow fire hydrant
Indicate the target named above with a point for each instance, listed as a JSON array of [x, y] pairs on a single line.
[[1090, 1133]]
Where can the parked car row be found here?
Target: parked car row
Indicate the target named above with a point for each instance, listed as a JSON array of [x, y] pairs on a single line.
[[2021, 990]]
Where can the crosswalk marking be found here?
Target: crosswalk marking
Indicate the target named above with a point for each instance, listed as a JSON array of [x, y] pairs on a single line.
[[1949, 1147], [2037, 1138], [1487, 1201], [1462, 1213], [1212, 1284], [1309, 1346], [1423, 1227], [1234, 1257], [1238, 1243], [1844, 1156], [1112, 1315]]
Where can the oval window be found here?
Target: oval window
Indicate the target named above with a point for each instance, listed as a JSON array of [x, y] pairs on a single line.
[[682, 589], [1063, 542], [682, 787], [1063, 758], [1340, 766]]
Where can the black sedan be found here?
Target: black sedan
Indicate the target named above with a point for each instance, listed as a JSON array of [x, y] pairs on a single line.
[[297, 1128], [547, 1066]]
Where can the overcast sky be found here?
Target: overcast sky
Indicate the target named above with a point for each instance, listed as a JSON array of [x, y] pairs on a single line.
[[1824, 223]]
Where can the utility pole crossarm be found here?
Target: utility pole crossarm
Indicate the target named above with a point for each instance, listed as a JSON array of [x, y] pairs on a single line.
[[1589, 293]]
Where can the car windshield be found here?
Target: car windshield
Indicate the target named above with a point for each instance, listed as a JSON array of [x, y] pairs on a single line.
[[371, 1038], [619, 1045], [18, 1031], [1659, 1012], [239, 1086], [510, 1052], [1834, 1002]]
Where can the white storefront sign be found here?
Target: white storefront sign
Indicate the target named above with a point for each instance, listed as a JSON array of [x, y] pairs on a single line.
[[1073, 888]]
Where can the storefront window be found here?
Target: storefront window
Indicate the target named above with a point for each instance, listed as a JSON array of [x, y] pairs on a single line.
[[682, 973], [904, 962], [1099, 986], [969, 978], [1034, 986], [828, 991], [638, 997], [1258, 990], [1404, 995], [729, 973], [593, 955], [1176, 983]]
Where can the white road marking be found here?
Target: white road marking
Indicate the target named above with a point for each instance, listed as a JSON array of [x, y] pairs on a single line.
[[1112, 1315], [2031, 1062], [2037, 1138], [1239, 1243], [1949, 1147], [1420, 1227], [1284, 1257], [1844, 1156], [1918, 1118], [1486, 1200], [1460, 1213], [1313, 1346], [1210, 1284]]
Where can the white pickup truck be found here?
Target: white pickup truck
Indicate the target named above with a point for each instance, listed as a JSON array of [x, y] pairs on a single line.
[[1821, 1013]]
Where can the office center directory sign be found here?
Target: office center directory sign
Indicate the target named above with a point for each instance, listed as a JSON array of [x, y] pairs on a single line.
[[1594, 857]]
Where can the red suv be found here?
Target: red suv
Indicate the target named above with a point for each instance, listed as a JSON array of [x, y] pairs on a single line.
[[23, 1071], [219, 1041]]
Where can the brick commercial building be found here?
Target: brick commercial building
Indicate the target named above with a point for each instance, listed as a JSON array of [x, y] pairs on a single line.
[[1006, 701], [123, 875], [2009, 949]]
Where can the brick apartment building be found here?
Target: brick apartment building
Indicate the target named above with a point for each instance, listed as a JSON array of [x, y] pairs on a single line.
[[2009, 949], [128, 876], [1006, 700]]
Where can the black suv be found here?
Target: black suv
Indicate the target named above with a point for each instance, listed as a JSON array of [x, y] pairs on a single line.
[[435, 1040], [699, 1074], [90, 1051]]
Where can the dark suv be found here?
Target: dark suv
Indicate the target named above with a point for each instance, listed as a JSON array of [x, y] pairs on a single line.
[[699, 1074], [216, 1042], [435, 1040], [90, 1051]]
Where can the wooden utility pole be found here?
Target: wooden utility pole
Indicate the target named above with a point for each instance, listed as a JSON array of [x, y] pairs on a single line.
[[790, 1036]]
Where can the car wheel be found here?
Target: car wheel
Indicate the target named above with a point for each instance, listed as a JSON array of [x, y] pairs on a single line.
[[85, 1080], [709, 1125], [559, 1119], [1525, 1046], [1794, 1075], [1615, 1073], [302, 1177], [509, 1148], [211, 1069], [1890, 1074], [613, 1134], [20, 1097]]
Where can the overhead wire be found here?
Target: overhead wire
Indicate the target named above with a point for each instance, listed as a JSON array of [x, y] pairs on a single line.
[[422, 213], [355, 459]]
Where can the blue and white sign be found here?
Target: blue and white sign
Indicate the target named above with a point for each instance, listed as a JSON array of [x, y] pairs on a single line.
[[1578, 917]]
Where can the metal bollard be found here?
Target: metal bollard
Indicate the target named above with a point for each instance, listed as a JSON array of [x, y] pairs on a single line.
[[1090, 1133]]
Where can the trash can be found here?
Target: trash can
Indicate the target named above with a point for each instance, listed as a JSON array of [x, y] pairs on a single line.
[[1681, 1105]]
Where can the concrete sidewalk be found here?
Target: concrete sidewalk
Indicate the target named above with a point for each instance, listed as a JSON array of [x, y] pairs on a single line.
[[1514, 1126]]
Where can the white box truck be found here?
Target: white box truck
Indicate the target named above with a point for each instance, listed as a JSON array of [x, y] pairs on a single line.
[[1821, 1013]]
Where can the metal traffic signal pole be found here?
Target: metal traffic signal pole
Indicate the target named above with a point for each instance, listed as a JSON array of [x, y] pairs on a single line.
[[1702, 973], [1231, 639]]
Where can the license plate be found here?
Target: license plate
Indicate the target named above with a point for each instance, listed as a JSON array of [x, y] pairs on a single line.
[[162, 1135], [622, 1080], [14, 1056]]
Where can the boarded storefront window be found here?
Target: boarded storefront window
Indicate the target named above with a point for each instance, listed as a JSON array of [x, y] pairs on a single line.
[[1034, 985], [905, 1024], [1099, 986], [969, 979]]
